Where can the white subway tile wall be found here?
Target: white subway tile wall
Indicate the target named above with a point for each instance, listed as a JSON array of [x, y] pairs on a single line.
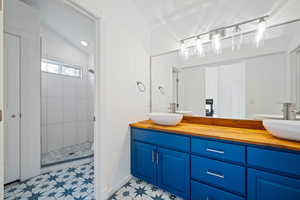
[[67, 110]]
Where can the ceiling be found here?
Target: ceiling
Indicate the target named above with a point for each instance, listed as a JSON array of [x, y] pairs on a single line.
[[69, 23], [184, 18]]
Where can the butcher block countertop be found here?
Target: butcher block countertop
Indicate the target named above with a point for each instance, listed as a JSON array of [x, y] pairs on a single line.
[[258, 135]]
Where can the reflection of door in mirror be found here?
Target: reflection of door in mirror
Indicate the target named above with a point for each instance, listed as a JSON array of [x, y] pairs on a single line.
[[226, 86], [295, 77]]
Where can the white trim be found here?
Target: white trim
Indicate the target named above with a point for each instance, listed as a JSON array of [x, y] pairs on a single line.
[[81, 9]]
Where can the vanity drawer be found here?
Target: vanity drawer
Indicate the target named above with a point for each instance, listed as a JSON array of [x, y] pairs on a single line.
[[219, 150], [172, 141], [228, 176], [274, 160], [204, 192]]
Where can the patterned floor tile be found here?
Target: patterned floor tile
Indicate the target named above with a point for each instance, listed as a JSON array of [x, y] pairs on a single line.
[[137, 189], [73, 183], [77, 183], [66, 154]]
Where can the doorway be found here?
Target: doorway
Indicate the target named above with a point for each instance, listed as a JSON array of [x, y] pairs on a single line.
[[67, 83], [12, 59], [50, 67]]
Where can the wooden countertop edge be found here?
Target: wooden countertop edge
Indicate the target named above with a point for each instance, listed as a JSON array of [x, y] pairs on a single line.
[[280, 143]]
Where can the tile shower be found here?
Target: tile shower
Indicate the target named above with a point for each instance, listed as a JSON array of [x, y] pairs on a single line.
[[67, 117]]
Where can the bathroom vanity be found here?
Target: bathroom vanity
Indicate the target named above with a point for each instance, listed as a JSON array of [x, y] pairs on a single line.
[[208, 162]]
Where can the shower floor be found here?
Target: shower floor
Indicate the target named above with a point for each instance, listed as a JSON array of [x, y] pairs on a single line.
[[67, 154]]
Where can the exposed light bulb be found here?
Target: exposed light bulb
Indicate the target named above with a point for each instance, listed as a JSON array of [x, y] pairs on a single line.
[[199, 47], [184, 51], [84, 43], [260, 33], [216, 43], [237, 39]]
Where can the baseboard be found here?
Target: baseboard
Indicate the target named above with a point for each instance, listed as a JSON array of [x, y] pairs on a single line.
[[109, 192], [66, 165]]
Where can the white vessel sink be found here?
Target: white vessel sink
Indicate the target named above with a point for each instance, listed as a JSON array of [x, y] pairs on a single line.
[[167, 119], [284, 129], [185, 112]]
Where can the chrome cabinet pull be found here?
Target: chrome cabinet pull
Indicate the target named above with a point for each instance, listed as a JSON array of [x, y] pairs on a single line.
[[152, 156], [157, 158], [215, 174], [214, 151]]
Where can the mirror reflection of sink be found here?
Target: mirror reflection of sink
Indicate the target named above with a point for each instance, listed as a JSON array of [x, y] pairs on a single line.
[[266, 116], [166, 119], [284, 129], [185, 112]]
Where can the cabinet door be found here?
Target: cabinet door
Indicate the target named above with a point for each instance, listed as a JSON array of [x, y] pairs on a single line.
[[263, 186], [174, 172], [143, 161]]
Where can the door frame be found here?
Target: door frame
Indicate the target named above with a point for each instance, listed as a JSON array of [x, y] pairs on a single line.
[[95, 15], [1, 104]]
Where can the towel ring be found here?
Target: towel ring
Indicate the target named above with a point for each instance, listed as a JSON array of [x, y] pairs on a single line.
[[161, 89], [141, 86]]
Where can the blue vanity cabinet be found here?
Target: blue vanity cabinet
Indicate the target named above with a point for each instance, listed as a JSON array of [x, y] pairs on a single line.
[[174, 171], [198, 168], [273, 174], [264, 186], [160, 159], [143, 160], [204, 192]]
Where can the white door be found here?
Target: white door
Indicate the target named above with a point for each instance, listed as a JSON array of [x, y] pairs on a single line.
[[12, 107]]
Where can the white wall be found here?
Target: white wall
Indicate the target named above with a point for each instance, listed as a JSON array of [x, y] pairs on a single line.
[[162, 75], [265, 84], [192, 93], [67, 102], [124, 60], [22, 20], [1, 106]]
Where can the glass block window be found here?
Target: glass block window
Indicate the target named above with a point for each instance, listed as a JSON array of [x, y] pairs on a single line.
[[55, 67]]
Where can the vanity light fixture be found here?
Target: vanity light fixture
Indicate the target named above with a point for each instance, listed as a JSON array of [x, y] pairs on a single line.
[[199, 47], [216, 36], [184, 51], [216, 43], [237, 38], [84, 43], [260, 32]]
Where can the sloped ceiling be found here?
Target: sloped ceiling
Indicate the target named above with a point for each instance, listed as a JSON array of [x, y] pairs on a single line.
[[184, 18], [67, 22]]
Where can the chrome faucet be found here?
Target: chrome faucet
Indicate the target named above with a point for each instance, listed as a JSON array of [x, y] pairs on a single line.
[[172, 108], [289, 111]]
